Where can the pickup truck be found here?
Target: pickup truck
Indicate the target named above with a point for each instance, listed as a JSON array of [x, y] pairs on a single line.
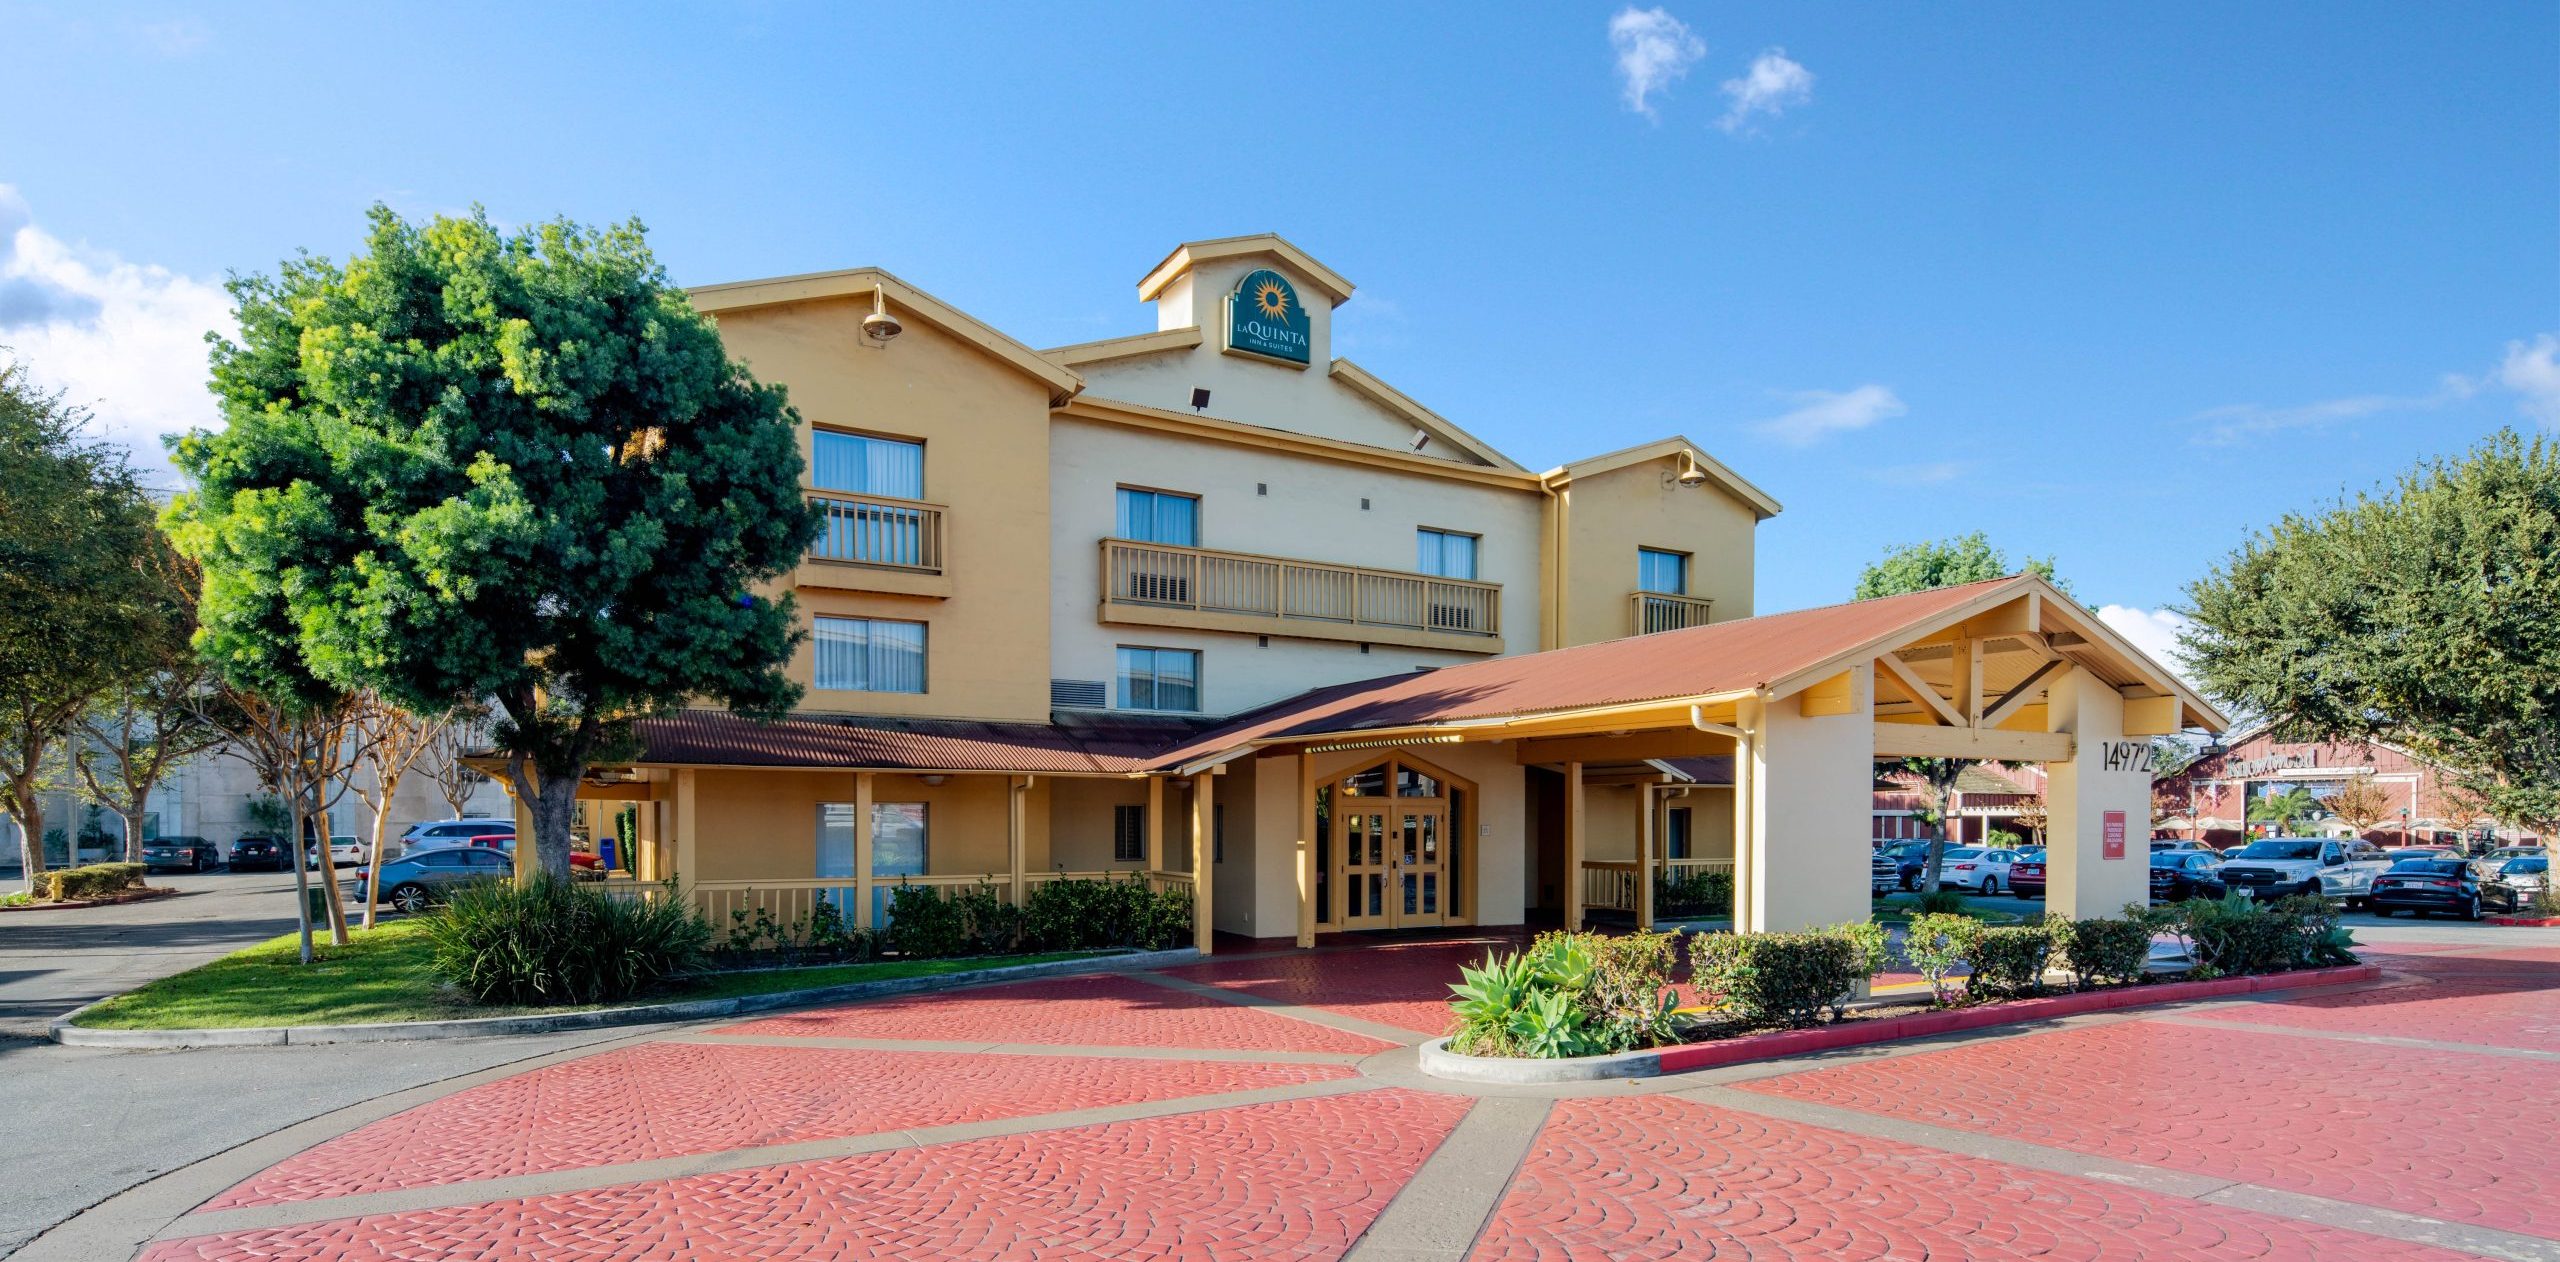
[[2277, 866]]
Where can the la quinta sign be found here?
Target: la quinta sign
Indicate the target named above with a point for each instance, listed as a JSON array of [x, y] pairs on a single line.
[[1266, 320]]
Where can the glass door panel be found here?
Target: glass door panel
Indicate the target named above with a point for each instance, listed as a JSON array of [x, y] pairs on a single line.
[[1365, 865], [1418, 867]]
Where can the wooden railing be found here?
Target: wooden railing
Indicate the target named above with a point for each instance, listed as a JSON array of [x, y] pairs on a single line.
[[1177, 577], [791, 902], [1662, 611], [878, 530], [1611, 884]]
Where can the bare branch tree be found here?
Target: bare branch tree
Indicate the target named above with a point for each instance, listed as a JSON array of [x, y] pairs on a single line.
[[389, 742], [301, 753], [455, 779]]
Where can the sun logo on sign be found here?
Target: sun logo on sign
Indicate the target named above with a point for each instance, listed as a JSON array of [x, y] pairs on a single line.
[[1271, 298]]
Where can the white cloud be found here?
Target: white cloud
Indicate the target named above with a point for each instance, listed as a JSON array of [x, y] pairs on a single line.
[[2154, 631], [1773, 85], [1653, 49], [2234, 422], [1819, 414], [1925, 473], [124, 339], [2532, 370], [174, 38]]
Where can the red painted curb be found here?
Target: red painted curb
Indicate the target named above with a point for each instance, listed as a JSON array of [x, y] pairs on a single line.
[[2538, 922], [1822, 1038]]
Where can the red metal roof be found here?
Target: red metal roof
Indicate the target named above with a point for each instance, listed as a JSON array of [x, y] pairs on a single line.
[[1721, 657], [719, 738]]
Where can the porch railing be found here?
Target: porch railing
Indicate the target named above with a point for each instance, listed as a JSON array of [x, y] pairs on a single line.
[[1175, 577], [1662, 611], [1611, 884], [791, 902], [878, 530]]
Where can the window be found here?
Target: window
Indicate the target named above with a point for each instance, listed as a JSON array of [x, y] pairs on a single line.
[[898, 837], [867, 465], [1446, 553], [1675, 832], [870, 655], [1129, 833], [1159, 679], [1159, 517], [1665, 572]]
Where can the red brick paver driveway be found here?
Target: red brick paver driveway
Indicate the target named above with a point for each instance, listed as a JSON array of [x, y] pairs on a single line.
[[1265, 1106]]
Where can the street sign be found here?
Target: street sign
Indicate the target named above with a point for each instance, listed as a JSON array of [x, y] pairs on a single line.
[[2112, 836]]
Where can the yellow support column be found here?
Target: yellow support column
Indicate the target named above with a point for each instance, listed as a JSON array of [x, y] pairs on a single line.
[[524, 836], [1204, 823], [1155, 824], [1645, 846], [1018, 829], [1306, 848], [862, 899], [1572, 846], [687, 852]]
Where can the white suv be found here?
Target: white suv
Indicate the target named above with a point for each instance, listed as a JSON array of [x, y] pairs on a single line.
[[435, 834]]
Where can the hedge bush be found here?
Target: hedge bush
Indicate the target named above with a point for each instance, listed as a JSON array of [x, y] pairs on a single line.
[[97, 880], [561, 942], [2103, 949], [1688, 895], [1935, 944], [2009, 961], [1790, 979]]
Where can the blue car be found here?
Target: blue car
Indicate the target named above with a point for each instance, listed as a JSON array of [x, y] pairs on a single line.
[[419, 880]]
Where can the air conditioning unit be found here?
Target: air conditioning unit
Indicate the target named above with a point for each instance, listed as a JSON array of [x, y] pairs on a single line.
[[1162, 589]]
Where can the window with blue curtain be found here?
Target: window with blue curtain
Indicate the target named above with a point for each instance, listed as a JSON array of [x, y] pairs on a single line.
[[1159, 517], [869, 654], [867, 466], [1159, 679], [1445, 553], [1665, 572]]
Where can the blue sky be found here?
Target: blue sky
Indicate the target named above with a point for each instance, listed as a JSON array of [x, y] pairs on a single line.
[[2112, 284]]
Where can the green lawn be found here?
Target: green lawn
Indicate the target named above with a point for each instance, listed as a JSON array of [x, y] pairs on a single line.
[[383, 976], [1896, 909]]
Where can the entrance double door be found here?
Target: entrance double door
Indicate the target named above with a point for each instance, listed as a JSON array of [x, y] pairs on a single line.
[[1394, 863]]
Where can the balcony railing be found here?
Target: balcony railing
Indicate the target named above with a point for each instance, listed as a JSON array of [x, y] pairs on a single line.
[[1307, 592], [878, 530], [1662, 611]]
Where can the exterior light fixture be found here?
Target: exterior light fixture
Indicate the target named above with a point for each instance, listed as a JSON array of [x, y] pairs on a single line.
[[880, 326], [1690, 474], [933, 782], [1199, 398]]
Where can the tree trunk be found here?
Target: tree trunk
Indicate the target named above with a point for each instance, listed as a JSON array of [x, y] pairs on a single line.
[[555, 814], [1929, 871], [30, 817], [133, 831], [373, 862], [301, 875], [329, 892]]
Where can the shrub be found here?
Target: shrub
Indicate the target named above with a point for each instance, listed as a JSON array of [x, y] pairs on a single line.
[[924, 925], [1688, 895], [755, 934], [97, 880], [2010, 961], [2103, 949], [1569, 994], [1935, 944], [2314, 937], [1943, 901], [1788, 979], [1096, 915], [2237, 935], [560, 942]]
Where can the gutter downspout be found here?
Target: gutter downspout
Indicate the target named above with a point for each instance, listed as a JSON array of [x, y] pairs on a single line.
[[1746, 785]]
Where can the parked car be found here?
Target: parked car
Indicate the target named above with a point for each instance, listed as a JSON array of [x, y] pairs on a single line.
[[195, 854], [1884, 876], [344, 852], [412, 883], [2178, 875], [448, 832], [1983, 871], [2159, 844], [2494, 862], [2274, 867], [2429, 883], [2026, 876], [584, 863], [1908, 858], [2517, 882], [263, 854]]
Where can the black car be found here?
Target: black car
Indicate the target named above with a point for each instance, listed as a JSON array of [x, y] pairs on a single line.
[[2517, 882], [261, 854], [2178, 875], [2425, 885], [195, 854]]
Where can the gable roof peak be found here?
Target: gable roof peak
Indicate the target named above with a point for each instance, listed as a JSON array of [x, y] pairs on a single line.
[[1191, 254]]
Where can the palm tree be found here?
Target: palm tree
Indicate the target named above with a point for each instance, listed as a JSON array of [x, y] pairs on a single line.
[[2282, 809]]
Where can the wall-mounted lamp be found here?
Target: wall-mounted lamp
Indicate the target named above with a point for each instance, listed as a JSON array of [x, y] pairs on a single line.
[[934, 782], [880, 326], [1689, 474], [1199, 398]]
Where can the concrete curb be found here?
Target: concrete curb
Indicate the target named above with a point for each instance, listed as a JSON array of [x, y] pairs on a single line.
[[146, 894], [1439, 1062], [68, 1034]]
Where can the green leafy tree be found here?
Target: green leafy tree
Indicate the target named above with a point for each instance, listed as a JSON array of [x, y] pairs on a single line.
[[520, 468], [1920, 567], [76, 589], [2425, 614]]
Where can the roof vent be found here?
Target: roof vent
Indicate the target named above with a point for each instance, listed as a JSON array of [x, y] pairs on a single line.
[[1077, 693]]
